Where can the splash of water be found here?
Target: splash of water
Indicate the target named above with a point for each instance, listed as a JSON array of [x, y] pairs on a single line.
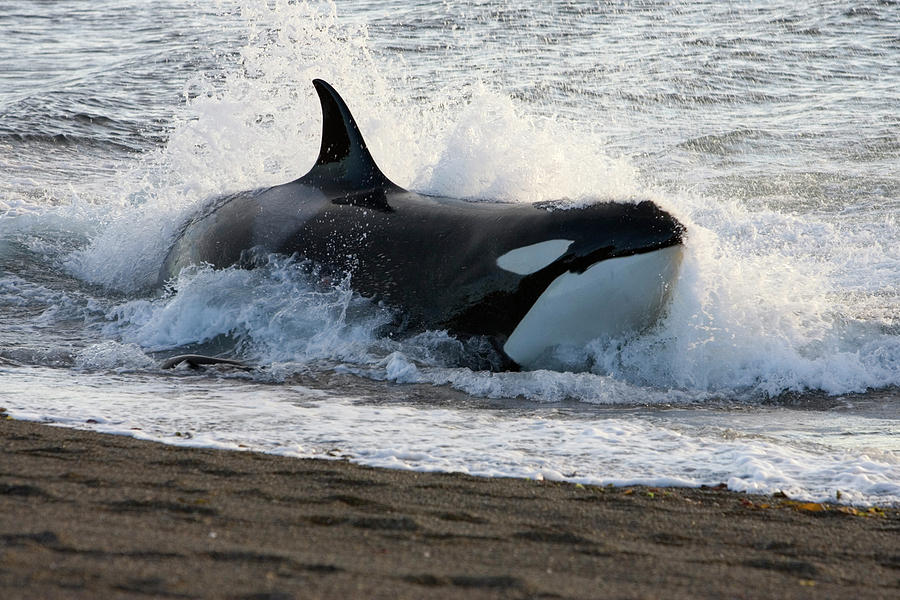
[[767, 301]]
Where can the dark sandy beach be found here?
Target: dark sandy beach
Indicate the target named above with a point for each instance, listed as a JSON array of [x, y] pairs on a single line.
[[86, 515]]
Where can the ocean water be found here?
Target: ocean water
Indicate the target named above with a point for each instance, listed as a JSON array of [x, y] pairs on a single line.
[[772, 131]]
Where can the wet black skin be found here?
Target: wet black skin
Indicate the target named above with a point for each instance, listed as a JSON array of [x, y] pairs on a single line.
[[433, 258]]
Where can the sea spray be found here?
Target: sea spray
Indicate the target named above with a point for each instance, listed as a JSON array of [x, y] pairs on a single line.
[[758, 310]]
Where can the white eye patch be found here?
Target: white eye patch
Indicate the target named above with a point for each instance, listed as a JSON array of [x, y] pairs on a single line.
[[531, 259]]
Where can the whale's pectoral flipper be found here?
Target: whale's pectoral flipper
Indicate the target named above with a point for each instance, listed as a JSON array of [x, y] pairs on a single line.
[[195, 361], [344, 162]]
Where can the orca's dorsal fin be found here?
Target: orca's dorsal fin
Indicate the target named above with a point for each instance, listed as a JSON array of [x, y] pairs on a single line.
[[344, 163]]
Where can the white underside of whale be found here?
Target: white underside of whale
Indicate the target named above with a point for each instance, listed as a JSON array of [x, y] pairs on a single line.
[[611, 298]]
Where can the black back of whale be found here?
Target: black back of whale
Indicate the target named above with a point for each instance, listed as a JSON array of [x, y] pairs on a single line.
[[435, 258]]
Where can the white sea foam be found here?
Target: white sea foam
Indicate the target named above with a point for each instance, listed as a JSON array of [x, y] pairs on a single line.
[[111, 356], [633, 449], [273, 313]]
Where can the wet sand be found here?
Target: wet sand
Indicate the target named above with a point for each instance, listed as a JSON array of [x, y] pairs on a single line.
[[87, 515]]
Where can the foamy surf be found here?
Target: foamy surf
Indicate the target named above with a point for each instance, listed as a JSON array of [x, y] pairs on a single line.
[[637, 447]]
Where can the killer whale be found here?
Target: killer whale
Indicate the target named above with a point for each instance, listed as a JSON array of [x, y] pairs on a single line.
[[527, 277]]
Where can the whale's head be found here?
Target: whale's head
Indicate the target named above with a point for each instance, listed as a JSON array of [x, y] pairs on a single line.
[[602, 271]]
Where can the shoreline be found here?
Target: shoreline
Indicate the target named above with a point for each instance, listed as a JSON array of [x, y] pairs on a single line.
[[88, 515]]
